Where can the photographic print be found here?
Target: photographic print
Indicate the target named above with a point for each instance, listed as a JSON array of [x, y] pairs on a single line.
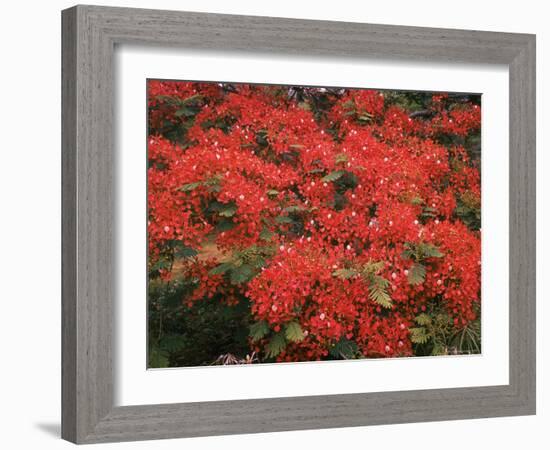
[[298, 223]]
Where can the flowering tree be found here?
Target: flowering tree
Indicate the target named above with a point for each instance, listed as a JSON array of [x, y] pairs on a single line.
[[311, 223]]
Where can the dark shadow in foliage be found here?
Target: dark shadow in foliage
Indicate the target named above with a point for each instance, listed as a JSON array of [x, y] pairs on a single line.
[[181, 335]]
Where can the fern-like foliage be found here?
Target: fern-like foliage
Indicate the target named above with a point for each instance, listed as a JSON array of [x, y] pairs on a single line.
[[345, 349], [419, 335], [420, 253], [436, 334], [345, 274], [258, 330], [244, 265], [378, 291], [333, 176], [377, 284], [293, 332], [468, 339], [276, 345], [417, 274]]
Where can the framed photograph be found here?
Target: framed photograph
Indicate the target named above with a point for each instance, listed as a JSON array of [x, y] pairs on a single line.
[[278, 224]]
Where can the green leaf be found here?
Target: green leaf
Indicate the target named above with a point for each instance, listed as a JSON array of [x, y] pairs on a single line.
[[177, 100], [423, 319], [420, 251], [438, 350], [190, 99], [272, 192], [229, 211], [468, 339], [407, 253], [417, 274], [276, 345], [416, 201], [333, 176], [378, 292], [225, 225], [161, 264], [293, 332], [372, 267], [283, 219], [221, 269], [172, 343], [185, 111], [365, 118], [344, 274], [186, 252], [344, 349], [341, 158], [418, 335], [166, 98], [266, 235], [216, 206], [241, 274], [258, 330], [158, 358], [294, 209], [313, 171], [430, 251], [258, 262], [349, 104], [190, 186]]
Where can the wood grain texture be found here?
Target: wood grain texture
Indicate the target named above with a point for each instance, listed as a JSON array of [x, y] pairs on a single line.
[[68, 227], [90, 34]]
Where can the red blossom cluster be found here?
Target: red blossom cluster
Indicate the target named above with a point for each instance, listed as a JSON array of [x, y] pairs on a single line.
[[338, 227]]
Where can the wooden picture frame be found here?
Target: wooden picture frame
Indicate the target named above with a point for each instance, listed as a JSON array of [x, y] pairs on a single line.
[[90, 34]]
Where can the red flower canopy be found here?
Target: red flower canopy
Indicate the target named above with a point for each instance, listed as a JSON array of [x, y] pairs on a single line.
[[347, 224]]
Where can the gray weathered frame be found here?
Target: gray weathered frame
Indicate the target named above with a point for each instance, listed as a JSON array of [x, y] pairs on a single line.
[[89, 36]]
